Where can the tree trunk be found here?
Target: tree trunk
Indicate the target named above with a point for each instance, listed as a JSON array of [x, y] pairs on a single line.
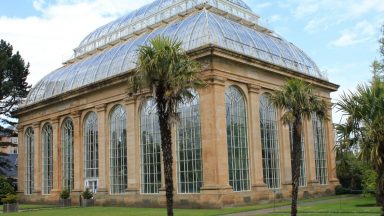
[[295, 163], [166, 147]]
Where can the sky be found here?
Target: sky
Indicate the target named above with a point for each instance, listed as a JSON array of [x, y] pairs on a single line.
[[341, 36]]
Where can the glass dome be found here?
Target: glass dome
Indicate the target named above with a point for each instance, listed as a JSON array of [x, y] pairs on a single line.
[[144, 12], [194, 31]]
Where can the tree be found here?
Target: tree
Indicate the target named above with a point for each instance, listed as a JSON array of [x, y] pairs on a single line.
[[14, 87], [364, 114], [365, 118], [169, 74], [298, 101]]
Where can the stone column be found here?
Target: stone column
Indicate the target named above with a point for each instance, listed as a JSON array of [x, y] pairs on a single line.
[[21, 160], [78, 153], [309, 141], [103, 150], [330, 144], [37, 157], [214, 136], [55, 155], [255, 149], [285, 153], [133, 150]]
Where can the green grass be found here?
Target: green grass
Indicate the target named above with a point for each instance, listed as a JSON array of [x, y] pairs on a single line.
[[360, 205], [355, 206]]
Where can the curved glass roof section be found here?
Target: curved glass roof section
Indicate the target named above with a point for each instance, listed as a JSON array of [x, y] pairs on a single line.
[[154, 13], [194, 31]]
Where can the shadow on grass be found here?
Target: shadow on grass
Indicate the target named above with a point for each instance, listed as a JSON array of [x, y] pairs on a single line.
[[367, 205]]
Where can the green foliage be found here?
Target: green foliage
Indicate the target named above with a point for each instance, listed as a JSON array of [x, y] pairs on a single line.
[[65, 194], [9, 198], [350, 171], [13, 76], [87, 194], [369, 181], [297, 100], [5, 187], [170, 75]]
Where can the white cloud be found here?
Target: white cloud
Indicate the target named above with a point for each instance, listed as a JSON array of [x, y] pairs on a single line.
[[361, 32], [47, 40]]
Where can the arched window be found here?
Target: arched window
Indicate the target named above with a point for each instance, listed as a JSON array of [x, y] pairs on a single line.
[[91, 151], [189, 167], [150, 148], [29, 160], [67, 153], [47, 159], [320, 150], [269, 142], [303, 177], [118, 150], [236, 118]]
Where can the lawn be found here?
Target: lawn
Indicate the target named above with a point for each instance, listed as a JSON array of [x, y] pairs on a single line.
[[324, 206]]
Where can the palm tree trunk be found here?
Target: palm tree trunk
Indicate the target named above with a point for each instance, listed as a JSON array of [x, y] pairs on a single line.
[[166, 147], [295, 163]]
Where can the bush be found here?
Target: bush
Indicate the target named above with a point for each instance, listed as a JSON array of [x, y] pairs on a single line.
[[369, 181], [10, 198], [5, 188], [339, 190], [65, 194], [87, 194]]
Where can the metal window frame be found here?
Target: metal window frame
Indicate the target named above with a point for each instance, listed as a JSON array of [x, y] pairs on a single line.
[[188, 147], [67, 139], [237, 139], [29, 161], [150, 149], [91, 144], [118, 165], [47, 159], [320, 150], [270, 143]]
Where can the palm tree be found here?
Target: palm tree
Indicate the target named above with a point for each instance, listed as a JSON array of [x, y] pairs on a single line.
[[169, 74], [298, 101], [364, 110]]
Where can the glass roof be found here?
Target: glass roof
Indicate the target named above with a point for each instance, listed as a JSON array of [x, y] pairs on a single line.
[[195, 31], [153, 13]]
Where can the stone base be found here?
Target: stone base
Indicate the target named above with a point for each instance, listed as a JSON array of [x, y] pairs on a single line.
[[13, 207]]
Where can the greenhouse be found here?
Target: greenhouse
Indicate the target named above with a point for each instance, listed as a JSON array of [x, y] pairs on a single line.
[[81, 127]]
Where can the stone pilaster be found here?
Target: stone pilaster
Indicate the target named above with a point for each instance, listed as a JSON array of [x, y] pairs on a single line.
[[330, 144], [255, 149], [133, 146], [78, 152], [309, 141], [103, 150], [37, 157], [214, 136], [21, 160], [285, 152]]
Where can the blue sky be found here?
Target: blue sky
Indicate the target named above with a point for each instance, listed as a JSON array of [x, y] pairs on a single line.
[[339, 35]]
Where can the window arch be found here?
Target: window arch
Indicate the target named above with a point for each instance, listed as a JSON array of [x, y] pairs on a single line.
[[320, 149], [237, 141], [91, 147], [67, 153], [150, 148], [118, 150], [303, 177], [47, 158], [29, 160], [269, 142], [188, 148]]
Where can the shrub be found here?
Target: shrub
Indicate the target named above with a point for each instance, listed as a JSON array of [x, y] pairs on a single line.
[[87, 194], [65, 194], [9, 198], [5, 187], [339, 190], [369, 181]]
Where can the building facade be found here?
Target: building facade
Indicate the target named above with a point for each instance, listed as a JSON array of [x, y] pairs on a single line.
[[80, 126]]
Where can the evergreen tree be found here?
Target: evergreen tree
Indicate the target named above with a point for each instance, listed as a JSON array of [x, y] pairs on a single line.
[[14, 87]]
